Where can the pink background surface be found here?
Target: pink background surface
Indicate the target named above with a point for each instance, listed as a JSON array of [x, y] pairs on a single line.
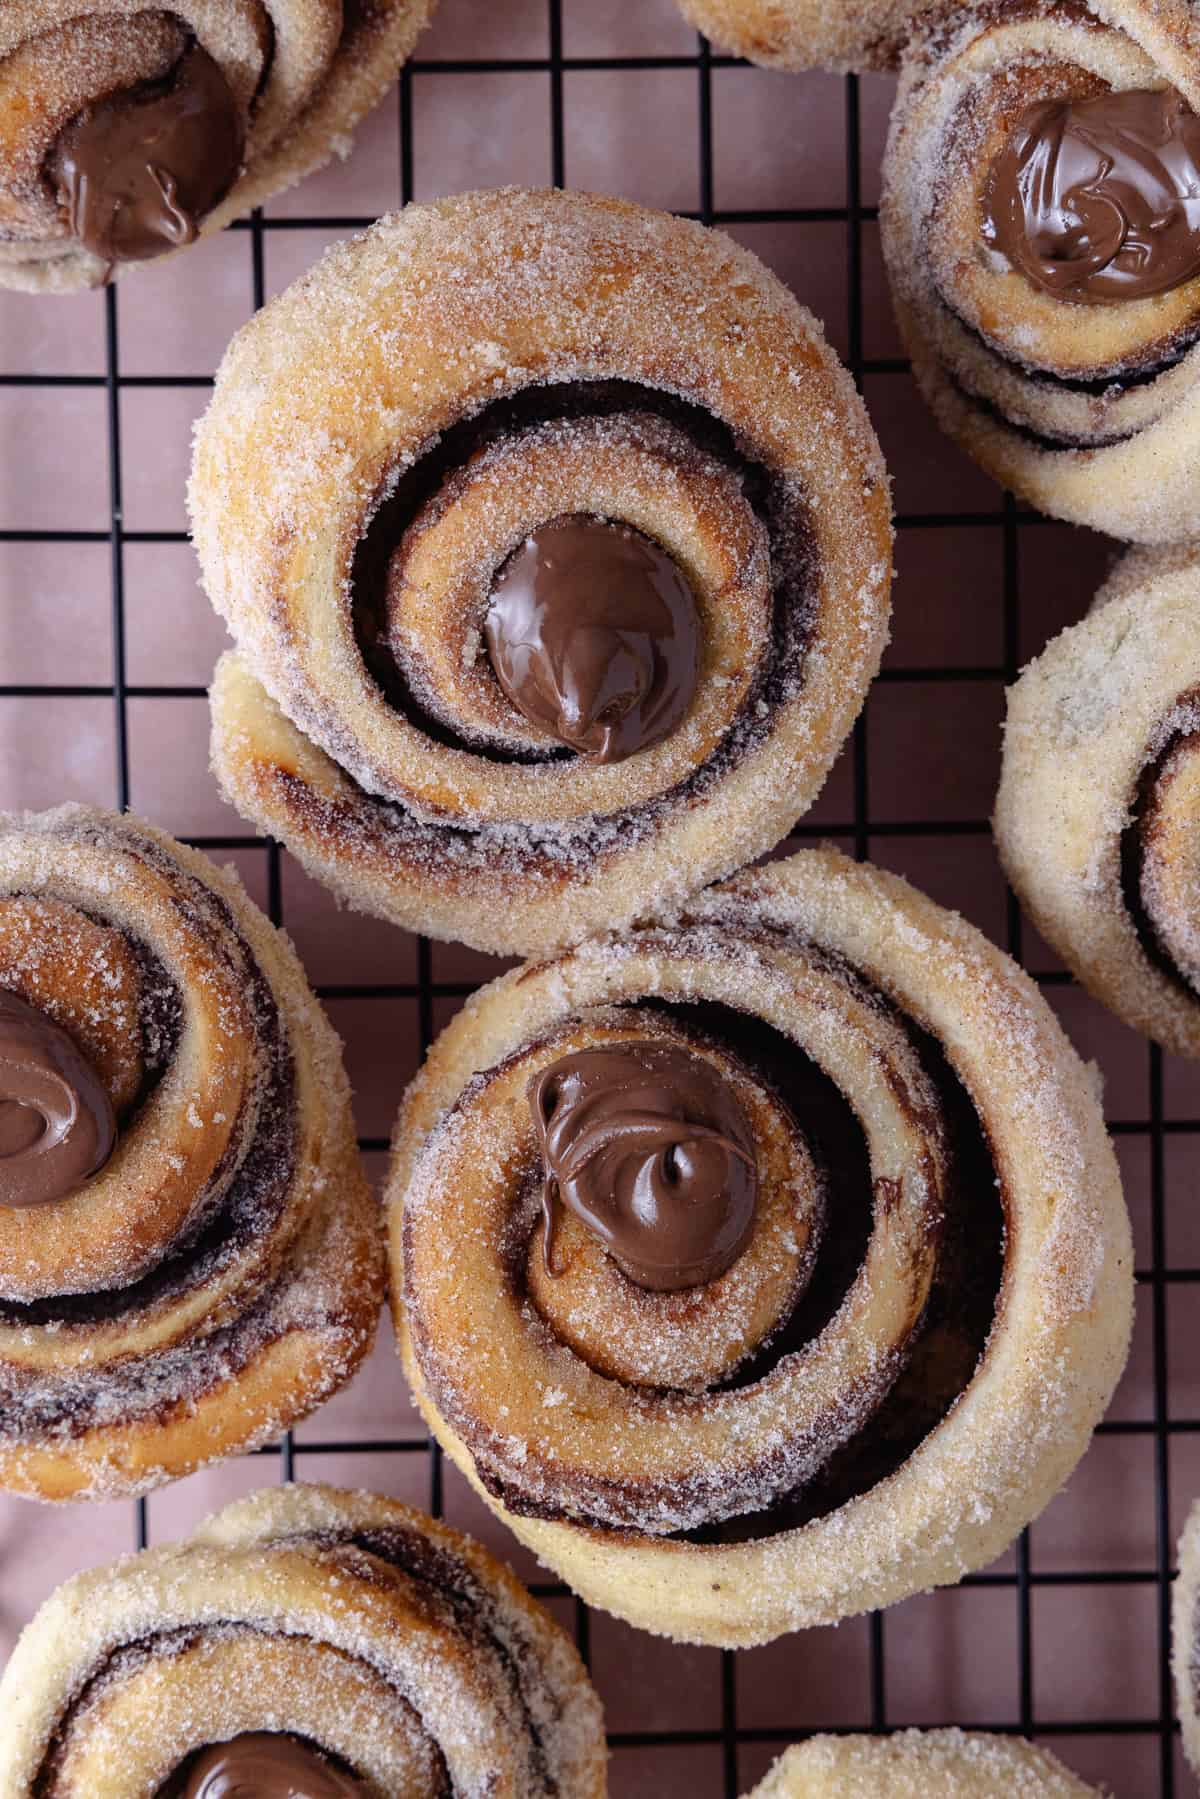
[[928, 760]]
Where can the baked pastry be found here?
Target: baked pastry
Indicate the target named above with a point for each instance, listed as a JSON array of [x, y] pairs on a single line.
[[189, 1250], [920, 1764], [556, 546], [809, 34], [1042, 233], [126, 131], [304, 1641], [834, 1275], [1098, 814], [1185, 1644]]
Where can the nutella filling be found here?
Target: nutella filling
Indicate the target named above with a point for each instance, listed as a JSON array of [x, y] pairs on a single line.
[[57, 1125], [593, 635], [646, 1143], [1099, 200], [261, 1765], [138, 172]]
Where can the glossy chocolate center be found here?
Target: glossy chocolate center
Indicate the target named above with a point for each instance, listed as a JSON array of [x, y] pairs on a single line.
[[138, 172], [57, 1126], [647, 1144], [1099, 200], [593, 634], [260, 1765]]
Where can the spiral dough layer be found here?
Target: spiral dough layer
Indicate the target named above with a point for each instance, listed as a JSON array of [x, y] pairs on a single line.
[[810, 34], [392, 1653], [1086, 408], [920, 1764], [1185, 1643], [909, 1355], [1098, 814], [128, 128], [220, 1274], [385, 437]]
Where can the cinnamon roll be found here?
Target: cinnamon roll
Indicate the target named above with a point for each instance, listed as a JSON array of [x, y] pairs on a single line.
[[1098, 814], [920, 1764], [765, 1266], [556, 546], [1185, 1646], [304, 1641], [809, 34], [1041, 225], [127, 130], [189, 1250]]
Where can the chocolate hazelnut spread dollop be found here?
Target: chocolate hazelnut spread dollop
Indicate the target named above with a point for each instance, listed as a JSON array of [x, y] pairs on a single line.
[[593, 634], [57, 1126], [647, 1144], [139, 171], [1099, 200], [259, 1765]]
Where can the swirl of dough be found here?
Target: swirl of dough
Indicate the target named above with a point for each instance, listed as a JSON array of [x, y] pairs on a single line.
[[908, 1355], [220, 1274], [391, 444]]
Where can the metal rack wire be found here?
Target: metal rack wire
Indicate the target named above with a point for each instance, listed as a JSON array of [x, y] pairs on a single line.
[[858, 828]]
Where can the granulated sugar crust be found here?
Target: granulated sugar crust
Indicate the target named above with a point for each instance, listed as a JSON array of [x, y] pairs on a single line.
[[920, 1764], [302, 72], [1061, 1329], [1085, 720], [1088, 412], [353, 379], [390, 1641], [222, 1275]]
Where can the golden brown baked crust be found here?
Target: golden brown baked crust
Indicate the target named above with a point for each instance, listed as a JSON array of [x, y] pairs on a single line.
[[302, 73], [810, 34], [912, 1423], [1185, 1646], [222, 1274], [1087, 411], [1098, 813], [440, 387], [919, 1764], [391, 1642]]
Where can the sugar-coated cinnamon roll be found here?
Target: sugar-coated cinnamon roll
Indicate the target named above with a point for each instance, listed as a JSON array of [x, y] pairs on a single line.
[[1185, 1637], [189, 1250], [1041, 224], [127, 129], [304, 1641], [556, 545], [809, 34], [1098, 814], [920, 1764], [766, 1266]]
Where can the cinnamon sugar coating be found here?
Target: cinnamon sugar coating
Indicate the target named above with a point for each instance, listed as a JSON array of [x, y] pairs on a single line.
[[1098, 814], [385, 434], [1088, 411], [393, 1644], [221, 1274], [301, 73], [920, 1764], [881, 1440], [810, 34], [1185, 1637]]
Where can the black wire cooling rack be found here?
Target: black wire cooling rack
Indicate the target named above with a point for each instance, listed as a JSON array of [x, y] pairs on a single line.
[[1154, 1280]]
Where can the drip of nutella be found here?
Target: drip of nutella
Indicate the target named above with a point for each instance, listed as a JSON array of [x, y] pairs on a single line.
[[57, 1126], [1099, 200], [593, 635], [648, 1145], [139, 171], [260, 1765]]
